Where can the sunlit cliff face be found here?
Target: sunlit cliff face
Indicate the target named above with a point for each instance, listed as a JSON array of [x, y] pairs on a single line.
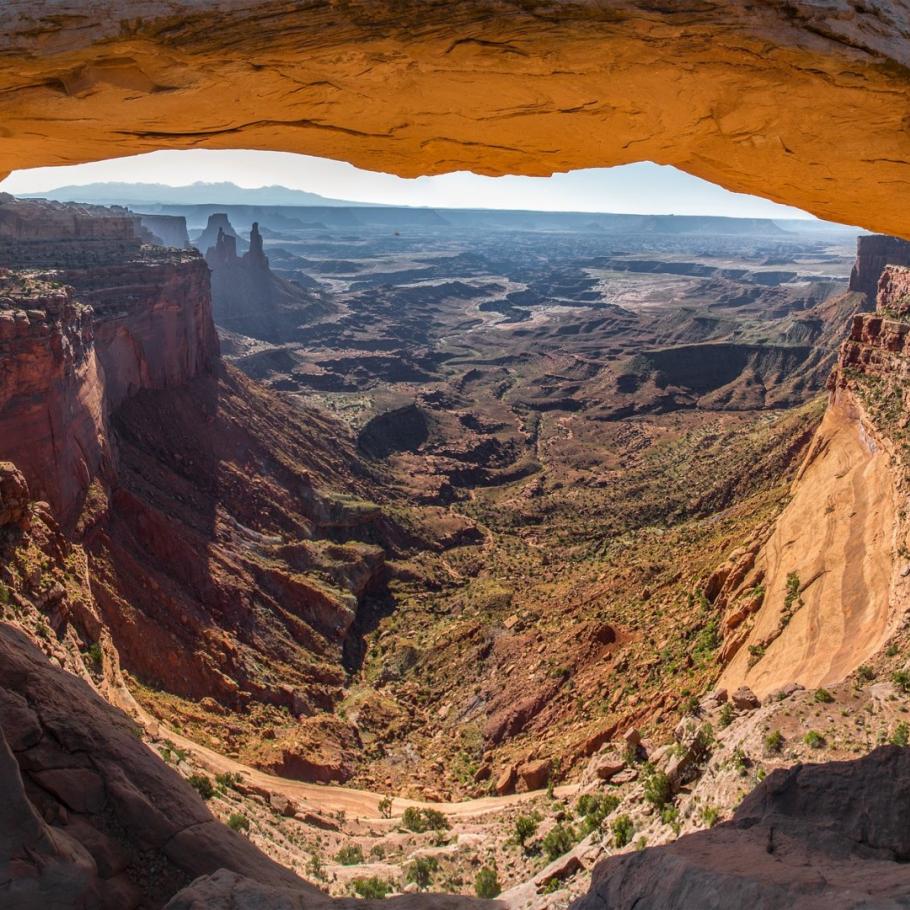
[[795, 103]]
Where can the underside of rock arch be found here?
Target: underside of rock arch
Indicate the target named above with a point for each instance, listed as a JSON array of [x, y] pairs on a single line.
[[802, 102]]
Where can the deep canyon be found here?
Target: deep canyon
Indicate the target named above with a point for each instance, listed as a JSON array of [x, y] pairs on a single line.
[[448, 508]]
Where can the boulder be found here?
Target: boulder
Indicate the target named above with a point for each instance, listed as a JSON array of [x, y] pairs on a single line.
[[535, 774], [505, 783], [745, 699]]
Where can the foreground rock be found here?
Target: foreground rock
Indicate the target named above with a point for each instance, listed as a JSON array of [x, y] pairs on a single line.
[[92, 817], [817, 837]]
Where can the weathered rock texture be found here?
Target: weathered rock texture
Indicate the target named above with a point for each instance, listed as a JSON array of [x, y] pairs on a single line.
[[828, 586], [92, 817], [873, 253], [800, 102], [817, 837], [112, 318]]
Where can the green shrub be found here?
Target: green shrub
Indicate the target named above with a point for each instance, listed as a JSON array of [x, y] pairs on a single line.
[[823, 696], [202, 784], [658, 790], [372, 888], [865, 673], [95, 656], [349, 855], [559, 840], [420, 872], [385, 807], [227, 780], [420, 820], [901, 679], [901, 735], [526, 828], [315, 867], [726, 715], [709, 815], [486, 883], [814, 739], [238, 822], [774, 741], [623, 830], [593, 808]]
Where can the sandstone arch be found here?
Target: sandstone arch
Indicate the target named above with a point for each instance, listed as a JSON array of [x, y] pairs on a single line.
[[800, 101]]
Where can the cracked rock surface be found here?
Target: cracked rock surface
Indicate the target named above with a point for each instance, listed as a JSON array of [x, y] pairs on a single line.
[[799, 101]]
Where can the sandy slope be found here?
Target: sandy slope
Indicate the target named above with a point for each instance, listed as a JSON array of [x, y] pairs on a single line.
[[838, 534]]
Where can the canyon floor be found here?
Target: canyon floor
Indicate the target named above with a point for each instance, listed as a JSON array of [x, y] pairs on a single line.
[[488, 546]]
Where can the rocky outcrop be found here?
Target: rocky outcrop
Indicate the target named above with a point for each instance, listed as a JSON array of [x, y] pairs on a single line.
[[167, 230], [827, 587], [92, 817], [817, 837], [873, 253], [248, 297], [110, 319], [517, 87], [218, 224]]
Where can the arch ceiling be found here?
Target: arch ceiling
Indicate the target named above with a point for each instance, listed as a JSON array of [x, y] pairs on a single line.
[[806, 102]]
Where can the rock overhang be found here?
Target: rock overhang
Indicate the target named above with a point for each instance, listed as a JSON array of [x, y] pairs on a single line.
[[801, 102]]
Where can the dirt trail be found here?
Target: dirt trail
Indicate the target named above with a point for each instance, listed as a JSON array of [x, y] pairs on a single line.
[[320, 798], [838, 535]]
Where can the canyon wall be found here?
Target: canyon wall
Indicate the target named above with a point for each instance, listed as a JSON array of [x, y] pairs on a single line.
[[873, 253], [111, 318], [827, 585], [167, 230], [220, 561]]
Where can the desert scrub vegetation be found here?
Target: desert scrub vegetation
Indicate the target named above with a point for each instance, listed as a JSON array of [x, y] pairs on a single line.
[[774, 742], [622, 830], [421, 820], [202, 784], [593, 809], [237, 821], [349, 855], [657, 789], [559, 840], [525, 828], [814, 740], [421, 871], [371, 888], [486, 883]]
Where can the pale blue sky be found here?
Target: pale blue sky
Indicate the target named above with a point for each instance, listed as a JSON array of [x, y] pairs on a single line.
[[642, 188]]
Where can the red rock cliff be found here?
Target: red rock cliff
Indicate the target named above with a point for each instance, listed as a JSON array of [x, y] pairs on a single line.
[[110, 319], [873, 253]]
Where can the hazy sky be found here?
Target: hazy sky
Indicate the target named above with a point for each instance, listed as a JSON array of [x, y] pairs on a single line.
[[643, 188]]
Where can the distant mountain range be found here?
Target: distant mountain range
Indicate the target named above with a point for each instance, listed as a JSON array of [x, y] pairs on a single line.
[[144, 194], [198, 200]]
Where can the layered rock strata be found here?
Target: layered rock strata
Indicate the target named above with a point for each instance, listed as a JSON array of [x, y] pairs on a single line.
[[824, 588]]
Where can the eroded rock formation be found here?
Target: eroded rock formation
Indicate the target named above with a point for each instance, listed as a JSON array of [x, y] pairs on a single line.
[[809, 606], [873, 253], [817, 837], [220, 564], [751, 95], [247, 296]]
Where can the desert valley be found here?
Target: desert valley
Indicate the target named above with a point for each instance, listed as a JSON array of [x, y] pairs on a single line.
[[434, 547], [433, 552]]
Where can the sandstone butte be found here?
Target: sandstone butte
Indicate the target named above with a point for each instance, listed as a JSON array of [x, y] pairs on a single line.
[[801, 102]]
